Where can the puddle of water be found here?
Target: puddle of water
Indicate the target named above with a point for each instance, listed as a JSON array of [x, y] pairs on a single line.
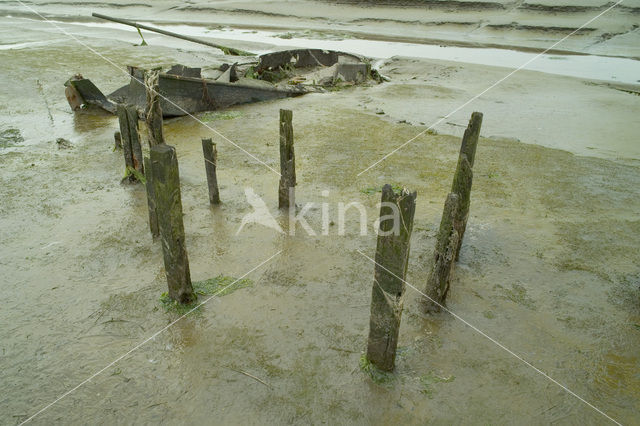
[[589, 67]]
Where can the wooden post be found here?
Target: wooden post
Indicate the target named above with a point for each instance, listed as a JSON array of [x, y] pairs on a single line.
[[123, 120], [166, 187], [128, 119], [443, 256], [392, 255], [136, 148], [153, 112], [117, 138], [210, 164], [470, 138], [463, 177], [151, 199], [286, 189]]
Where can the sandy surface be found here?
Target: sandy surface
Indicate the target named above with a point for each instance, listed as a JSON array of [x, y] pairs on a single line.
[[523, 24], [549, 266]]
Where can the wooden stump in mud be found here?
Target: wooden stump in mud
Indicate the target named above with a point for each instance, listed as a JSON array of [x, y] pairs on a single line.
[[153, 112], [454, 219], [128, 119], [463, 177], [443, 256], [117, 140], [151, 199], [392, 255], [210, 164], [166, 188], [286, 189]]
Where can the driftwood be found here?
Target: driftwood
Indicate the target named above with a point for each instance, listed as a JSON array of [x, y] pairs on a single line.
[[392, 255], [286, 189], [225, 49], [166, 187]]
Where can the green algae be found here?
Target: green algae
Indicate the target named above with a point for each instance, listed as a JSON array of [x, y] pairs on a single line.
[[218, 286]]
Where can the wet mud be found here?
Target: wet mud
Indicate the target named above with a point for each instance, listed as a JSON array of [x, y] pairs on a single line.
[[549, 265]]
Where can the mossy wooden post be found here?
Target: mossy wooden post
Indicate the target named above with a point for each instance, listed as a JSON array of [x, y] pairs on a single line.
[[463, 177], [151, 200], [443, 256], [153, 120], [153, 112], [128, 120], [166, 188], [392, 255], [286, 189], [210, 165]]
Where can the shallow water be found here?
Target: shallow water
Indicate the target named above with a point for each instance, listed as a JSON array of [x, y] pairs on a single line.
[[592, 67], [549, 268]]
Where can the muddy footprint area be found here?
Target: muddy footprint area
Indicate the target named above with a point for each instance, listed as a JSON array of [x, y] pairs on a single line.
[[548, 268]]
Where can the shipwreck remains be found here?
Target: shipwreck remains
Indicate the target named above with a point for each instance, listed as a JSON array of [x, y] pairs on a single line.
[[186, 90]]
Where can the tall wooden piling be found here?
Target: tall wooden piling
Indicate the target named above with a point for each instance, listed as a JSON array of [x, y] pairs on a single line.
[[132, 150], [443, 256], [463, 177], [392, 255], [151, 199], [454, 219], [166, 187], [153, 112], [286, 189], [211, 163]]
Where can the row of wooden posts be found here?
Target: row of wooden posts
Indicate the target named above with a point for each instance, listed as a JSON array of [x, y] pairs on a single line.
[[160, 171]]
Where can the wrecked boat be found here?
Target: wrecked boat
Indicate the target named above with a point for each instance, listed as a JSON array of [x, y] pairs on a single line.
[[184, 90]]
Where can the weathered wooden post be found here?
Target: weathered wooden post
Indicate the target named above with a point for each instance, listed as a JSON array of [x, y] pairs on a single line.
[[134, 135], [151, 199], [470, 138], [123, 120], [210, 165], [463, 177], [286, 189], [128, 119], [392, 255], [166, 188], [153, 112], [454, 219], [443, 256]]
